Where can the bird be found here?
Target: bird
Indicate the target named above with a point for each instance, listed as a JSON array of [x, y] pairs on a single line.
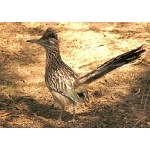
[[65, 85]]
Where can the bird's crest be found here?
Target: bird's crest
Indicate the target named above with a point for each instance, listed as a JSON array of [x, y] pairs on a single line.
[[50, 33]]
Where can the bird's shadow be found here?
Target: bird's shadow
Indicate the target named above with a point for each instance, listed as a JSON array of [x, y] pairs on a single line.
[[48, 111], [32, 109]]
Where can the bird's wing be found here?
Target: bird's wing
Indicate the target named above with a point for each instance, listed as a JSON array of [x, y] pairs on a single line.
[[64, 84]]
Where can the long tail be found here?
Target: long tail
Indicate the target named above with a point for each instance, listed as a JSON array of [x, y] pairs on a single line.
[[112, 64]]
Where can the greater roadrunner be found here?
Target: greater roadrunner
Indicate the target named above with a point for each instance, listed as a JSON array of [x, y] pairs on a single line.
[[64, 84]]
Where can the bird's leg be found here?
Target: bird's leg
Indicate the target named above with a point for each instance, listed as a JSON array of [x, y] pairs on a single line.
[[74, 112], [61, 113]]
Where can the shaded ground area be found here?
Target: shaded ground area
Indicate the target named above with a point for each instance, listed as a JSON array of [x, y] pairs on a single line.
[[119, 99]]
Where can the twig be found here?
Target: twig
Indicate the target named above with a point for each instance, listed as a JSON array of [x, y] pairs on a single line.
[[146, 99], [137, 92], [144, 91], [139, 121], [4, 62]]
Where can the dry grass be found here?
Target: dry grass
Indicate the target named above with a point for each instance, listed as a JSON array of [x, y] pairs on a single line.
[[119, 99]]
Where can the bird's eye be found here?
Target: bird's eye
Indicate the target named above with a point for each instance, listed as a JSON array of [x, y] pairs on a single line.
[[48, 42]]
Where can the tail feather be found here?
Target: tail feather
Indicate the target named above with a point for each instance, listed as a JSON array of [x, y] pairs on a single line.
[[112, 64]]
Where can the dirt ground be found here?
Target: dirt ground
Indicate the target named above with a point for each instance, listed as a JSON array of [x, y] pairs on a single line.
[[120, 99]]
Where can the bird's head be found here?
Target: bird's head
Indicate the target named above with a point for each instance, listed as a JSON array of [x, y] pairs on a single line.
[[49, 38]]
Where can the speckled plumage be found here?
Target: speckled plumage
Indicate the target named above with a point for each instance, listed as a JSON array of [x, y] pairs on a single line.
[[63, 82]]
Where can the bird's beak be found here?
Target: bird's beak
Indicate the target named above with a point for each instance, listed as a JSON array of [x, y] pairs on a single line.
[[33, 41]]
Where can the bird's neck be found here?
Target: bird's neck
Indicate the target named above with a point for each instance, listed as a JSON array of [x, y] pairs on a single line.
[[53, 58]]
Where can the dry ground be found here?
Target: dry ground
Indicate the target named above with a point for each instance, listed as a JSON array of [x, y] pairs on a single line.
[[119, 99]]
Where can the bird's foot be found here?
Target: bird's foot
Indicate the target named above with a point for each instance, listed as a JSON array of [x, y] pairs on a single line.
[[72, 121], [60, 118]]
